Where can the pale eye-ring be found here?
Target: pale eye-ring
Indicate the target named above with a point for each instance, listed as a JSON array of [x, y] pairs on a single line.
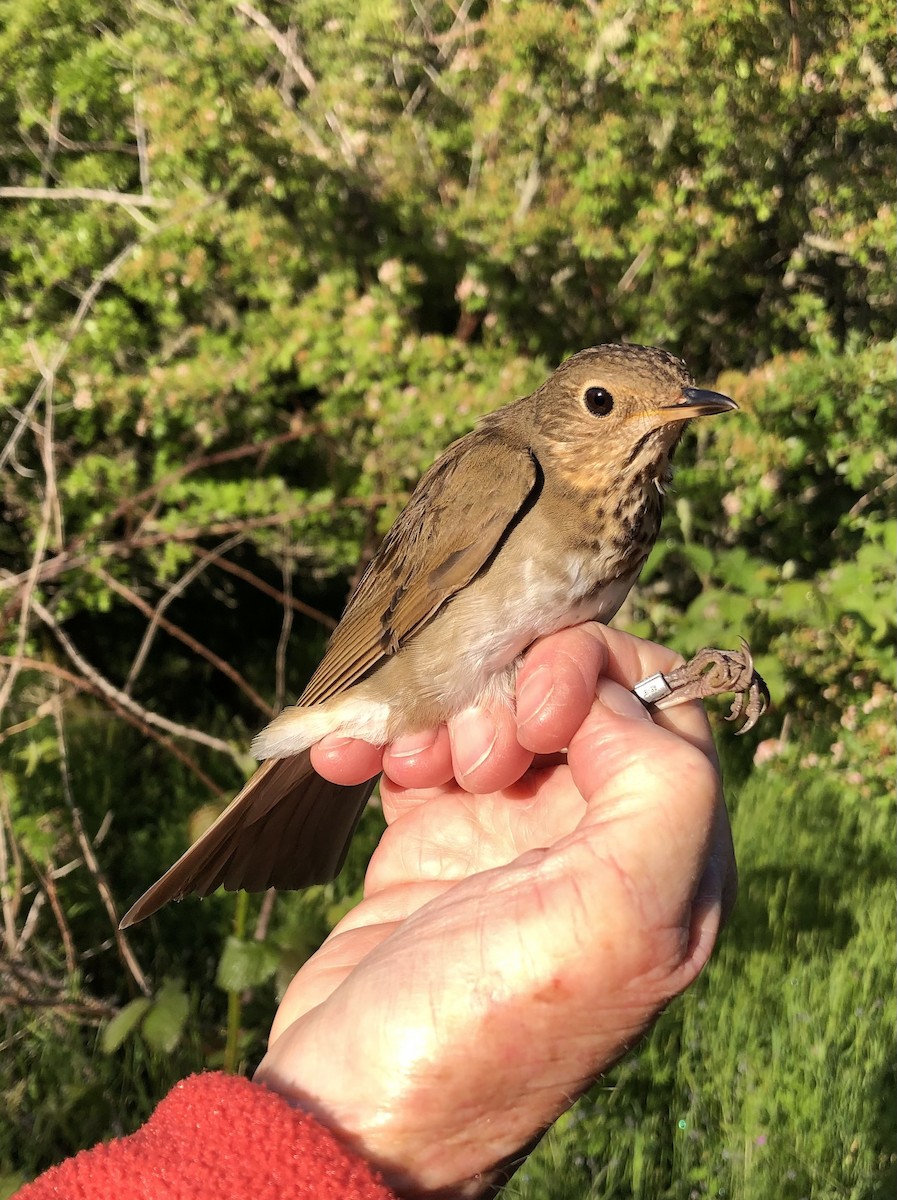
[[598, 401]]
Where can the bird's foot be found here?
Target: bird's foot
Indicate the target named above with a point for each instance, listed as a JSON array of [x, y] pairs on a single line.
[[711, 673]]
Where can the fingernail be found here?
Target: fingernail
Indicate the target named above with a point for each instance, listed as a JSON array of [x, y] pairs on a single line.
[[473, 737], [411, 744], [333, 741], [620, 701], [534, 694]]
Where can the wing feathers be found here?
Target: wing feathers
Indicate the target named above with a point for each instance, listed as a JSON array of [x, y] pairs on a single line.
[[448, 532], [287, 828]]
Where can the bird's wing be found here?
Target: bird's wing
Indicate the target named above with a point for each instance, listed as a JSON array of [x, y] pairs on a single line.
[[453, 525], [288, 828]]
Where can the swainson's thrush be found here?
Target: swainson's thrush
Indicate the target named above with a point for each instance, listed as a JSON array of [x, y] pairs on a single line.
[[540, 518]]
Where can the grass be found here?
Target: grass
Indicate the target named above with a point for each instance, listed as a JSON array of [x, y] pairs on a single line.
[[774, 1077]]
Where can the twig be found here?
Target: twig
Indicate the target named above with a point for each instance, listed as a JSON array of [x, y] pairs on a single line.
[[108, 272], [300, 68], [175, 630], [534, 173], [249, 577], [45, 437], [68, 560], [83, 685], [444, 41], [113, 693], [25, 983], [126, 954], [82, 1010], [264, 918], [30, 922], [286, 626], [99, 195], [65, 143], [47, 171], [795, 54], [20, 726], [48, 507], [48, 887], [246, 450], [157, 618], [872, 495], [291, 55]]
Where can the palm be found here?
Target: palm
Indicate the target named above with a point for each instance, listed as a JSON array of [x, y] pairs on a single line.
[[508, 946], [433, 843]]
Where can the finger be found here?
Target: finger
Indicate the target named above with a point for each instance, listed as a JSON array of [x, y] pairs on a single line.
[[396, 800], [486, 754], [556, 686], [651, 791], [346, 760], [420, 760], [630, 659], [620, 745]]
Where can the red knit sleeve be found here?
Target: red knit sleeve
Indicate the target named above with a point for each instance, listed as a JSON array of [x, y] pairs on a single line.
[[216, 1137]]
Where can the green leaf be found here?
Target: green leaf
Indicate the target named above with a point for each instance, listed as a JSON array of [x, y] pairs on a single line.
[[164, 1023], [122, 1024], [246, 964]]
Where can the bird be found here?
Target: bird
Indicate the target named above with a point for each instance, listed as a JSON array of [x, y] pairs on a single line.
[[540, 518]]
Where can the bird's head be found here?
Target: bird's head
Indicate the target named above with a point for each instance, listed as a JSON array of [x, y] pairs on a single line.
[[619, 409]]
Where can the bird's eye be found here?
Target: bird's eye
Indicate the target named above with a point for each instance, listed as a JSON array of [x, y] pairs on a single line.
[[598, 401]]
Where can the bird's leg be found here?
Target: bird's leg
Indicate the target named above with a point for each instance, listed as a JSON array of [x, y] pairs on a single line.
[[711, 673]]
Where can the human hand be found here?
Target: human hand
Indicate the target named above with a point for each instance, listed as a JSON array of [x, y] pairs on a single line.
[[512, 944]]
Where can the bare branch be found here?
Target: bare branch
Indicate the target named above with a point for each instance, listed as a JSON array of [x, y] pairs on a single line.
[[197, 647], [48, 508], [123, 701], [291, 55], [70, 559], [125, 952], [24, 986], [264, 917], [297, 64], [83, 685], [286, 625], [444, 41], [98, 195], [871, 496], [246, 450], [157, 618], [87, 300], [8, 150], [21, 726], [627, 279], [242, 573], [10, 869], [48, 887], [47, 171]]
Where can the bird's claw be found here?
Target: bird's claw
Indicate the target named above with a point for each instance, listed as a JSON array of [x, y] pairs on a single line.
[[711, 673]]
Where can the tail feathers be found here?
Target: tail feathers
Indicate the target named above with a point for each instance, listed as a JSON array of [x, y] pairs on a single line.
[[287, 828]]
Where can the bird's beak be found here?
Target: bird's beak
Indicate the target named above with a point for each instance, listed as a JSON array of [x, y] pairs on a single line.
[[698, 402]]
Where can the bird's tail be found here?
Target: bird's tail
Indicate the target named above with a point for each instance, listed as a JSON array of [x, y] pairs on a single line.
[[287, 828]]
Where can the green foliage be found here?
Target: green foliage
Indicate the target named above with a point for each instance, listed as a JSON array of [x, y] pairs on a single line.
[[245, 964], [286, 282], [124, 1023], [774, 1075]]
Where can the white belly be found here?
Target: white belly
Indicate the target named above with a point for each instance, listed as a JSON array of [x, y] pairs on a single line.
[[466, 655], [490, 634]]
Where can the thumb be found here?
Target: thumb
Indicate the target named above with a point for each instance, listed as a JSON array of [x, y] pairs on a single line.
[[653, 810]]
